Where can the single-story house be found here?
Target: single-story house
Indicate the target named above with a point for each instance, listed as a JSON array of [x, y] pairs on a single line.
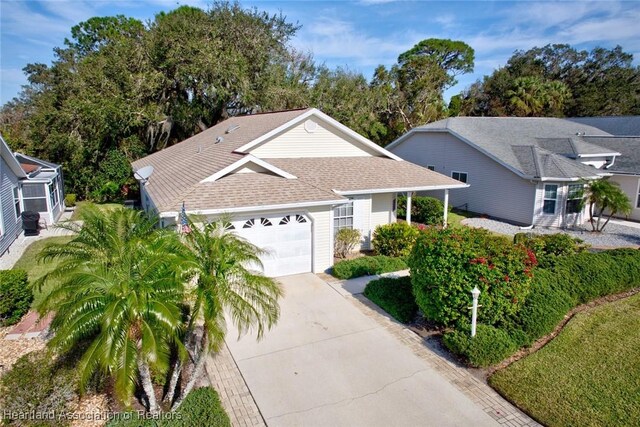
[[288, 179], [626, 140], [27, 184], [528, 171]]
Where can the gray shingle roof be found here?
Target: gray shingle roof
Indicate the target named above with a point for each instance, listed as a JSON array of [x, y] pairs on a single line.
[[629, 148], [615, 125], [534, 147]]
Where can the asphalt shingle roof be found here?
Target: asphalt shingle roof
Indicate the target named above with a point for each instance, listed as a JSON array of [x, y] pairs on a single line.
[[179, 170], [536, 147], [615, 125], [629, 148]]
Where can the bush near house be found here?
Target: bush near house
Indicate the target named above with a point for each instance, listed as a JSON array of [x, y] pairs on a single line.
[[202, 407], [395, 239], [446, 264], [70, 200], [15, 296], [549, 248], [394, 296], [345, 241], [424, 210], [366, 266]]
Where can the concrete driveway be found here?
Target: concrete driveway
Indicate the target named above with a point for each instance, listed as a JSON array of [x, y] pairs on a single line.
[[327, 364]]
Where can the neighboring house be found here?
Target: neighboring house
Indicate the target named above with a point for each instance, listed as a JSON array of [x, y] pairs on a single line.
[[289, 180], [528, 171], [626, 140], [27, 184], [10, 175]]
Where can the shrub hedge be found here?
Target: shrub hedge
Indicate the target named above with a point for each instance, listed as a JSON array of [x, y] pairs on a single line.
[[202, 407], [575, 279], [549, 248], [394, 296], [38, 383], [489, 346], [424, 210], [446, 264], [15, 296], [366, 266], [395, 239]]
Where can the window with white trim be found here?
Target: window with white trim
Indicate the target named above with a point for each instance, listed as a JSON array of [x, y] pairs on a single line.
[[431, 167], [460, 176], [343, 217], [574, 198], [53, 194], [16, 201], [550, 199], [34, 197], [638, 201]]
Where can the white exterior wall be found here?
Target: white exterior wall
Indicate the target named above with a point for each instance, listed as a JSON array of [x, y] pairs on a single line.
[[323, 142], [494, 190], [362, 220], [630, 184]]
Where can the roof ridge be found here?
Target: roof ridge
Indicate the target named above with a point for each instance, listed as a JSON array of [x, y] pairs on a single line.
[[536, 160], [573, 146]]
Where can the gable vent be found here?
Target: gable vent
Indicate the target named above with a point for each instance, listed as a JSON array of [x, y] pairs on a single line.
[[232, 128], [219, 140]]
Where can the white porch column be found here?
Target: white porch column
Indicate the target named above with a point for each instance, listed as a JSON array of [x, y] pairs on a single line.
[[409, 208], [446, 208]]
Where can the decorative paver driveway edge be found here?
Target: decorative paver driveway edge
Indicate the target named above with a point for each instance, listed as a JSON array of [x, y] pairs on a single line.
[[477, 390], [224, 375]]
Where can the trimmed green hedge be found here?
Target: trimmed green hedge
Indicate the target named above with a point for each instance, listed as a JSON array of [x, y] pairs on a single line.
[[489, 346], [574, 280], [15, 296], [202, 407], [367, 266], [394, 296], [395, 239]]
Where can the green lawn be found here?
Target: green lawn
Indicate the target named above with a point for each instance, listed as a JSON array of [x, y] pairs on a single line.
[[455, 217], [36, 269], [589, 375], [80, 206]]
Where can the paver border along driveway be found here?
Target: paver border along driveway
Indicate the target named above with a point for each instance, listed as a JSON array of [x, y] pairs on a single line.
[[328, 364]]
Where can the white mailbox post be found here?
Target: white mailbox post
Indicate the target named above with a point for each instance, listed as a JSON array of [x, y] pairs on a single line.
[[475, 293]]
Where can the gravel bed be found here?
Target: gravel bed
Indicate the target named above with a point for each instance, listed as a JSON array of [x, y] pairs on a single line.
[[613, 236]]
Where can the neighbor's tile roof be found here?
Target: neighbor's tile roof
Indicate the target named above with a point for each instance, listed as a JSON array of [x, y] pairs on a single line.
[[177, 169], [512, 140], [361, 173]]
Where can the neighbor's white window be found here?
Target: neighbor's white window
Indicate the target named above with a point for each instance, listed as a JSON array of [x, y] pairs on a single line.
[[638, 201], [574, 198], [460, 176], [431, 167], [550, 199], [343, 217], [16, 201]]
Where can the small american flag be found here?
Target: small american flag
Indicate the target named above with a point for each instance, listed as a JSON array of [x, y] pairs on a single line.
[[184, 221]]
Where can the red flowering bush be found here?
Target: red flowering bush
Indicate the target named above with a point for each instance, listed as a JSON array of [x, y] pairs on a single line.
[[447, 264]]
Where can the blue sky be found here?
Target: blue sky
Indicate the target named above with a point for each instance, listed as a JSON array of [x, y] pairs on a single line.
[[356, 34]]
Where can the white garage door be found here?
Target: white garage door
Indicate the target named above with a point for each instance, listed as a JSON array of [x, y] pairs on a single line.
[[286, 237]]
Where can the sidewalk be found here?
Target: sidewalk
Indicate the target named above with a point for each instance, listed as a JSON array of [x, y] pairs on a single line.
[[17, 248], [430, 351], [626, 223]]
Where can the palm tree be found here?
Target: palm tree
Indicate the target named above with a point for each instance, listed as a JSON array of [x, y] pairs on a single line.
[[222, 264], [527, 96], [605, 198], [118, 287]]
